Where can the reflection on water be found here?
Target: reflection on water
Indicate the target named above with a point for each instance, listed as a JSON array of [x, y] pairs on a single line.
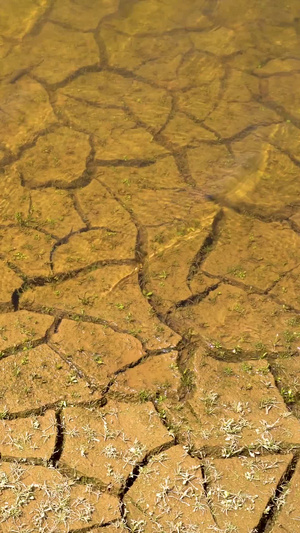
[[150, 154]]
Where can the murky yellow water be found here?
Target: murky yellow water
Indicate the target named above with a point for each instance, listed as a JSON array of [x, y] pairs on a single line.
[[150, 237]]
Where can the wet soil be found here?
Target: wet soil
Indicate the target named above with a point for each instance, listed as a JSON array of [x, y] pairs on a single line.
[[149, 256]]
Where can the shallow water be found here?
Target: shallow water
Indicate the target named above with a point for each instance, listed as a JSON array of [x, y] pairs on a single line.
[[149, 245]]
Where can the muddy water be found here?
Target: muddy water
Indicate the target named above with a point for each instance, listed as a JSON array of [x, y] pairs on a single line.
[[150, 262]]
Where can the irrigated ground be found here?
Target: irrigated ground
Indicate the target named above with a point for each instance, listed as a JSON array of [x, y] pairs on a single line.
[[150, 266]]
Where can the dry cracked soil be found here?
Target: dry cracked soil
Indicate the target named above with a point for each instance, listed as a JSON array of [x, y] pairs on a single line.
[[149, 256]]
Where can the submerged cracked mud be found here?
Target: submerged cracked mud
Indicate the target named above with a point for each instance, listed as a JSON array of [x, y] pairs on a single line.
[[149, 256]]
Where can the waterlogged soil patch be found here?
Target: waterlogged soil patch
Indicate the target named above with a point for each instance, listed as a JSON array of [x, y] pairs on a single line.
[[108, 90], [105, 89], [8, 282], [14, 199], [249, 14], [36, 498], [27, 381], [169, 494], [269, 185], [117, 136], [127, 307], [280, 91], [19, 19], [169, 268], [92, 119], [187, 226], [171, 206], [200, 100], [200, 282], [207, 74], [220, 41], [57, 158], [195, 81], [99, 350], [107, 443], [245, 251], [155, 60], [81, 16], [239, 489], [183, 131], [95, 245], [242, 115], [101, 209], [28, 112], [27, 248], [211, 167], [132, 41], [2, 153], [288, 517], [286, 137], [4, 47], [28, 437], [124, 144], [295, 219], [150, 105], [238, 405], [128, 181], [22, 327], [57, 52], [230, 318], [276, 66], [79, 294], [53, 211], [155, 18], [110, 293], [287, 289], [157, 375]]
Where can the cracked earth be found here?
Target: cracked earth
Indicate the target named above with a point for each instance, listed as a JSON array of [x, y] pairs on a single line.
[[150, 257]]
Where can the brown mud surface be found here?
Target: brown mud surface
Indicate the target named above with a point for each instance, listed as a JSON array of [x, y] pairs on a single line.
[[149, 266]]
